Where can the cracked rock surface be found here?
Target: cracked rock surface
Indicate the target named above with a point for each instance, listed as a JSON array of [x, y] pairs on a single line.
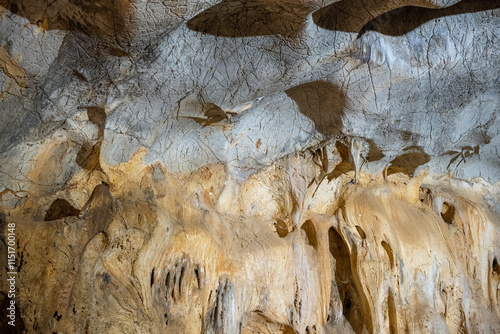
[[251, 166]]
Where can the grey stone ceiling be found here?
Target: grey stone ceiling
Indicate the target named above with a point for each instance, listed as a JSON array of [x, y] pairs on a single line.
[[248, 82]]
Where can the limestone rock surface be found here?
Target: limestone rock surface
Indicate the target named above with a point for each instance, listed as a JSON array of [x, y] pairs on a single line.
[[251, 166]]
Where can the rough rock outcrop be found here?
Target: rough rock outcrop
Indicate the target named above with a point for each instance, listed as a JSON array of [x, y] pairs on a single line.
[[251, 166]]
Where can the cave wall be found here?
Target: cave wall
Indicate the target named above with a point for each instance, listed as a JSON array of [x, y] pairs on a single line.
[[251, 166]]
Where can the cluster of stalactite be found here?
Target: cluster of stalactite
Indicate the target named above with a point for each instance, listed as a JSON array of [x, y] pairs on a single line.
[[288, 250]]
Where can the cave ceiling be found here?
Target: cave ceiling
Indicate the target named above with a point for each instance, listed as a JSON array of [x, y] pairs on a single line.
[[241, 147]]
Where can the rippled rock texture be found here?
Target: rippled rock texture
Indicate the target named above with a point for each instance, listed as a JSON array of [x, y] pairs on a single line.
[[252, 166]]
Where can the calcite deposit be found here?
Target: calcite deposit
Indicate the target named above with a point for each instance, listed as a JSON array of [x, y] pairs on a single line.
[[250, 166]]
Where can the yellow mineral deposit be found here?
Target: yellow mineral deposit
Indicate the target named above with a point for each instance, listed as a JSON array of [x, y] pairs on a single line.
[[203, 252], [250, 167]]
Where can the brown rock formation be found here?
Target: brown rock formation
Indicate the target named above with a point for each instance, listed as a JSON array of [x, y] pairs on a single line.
[[249, 166]]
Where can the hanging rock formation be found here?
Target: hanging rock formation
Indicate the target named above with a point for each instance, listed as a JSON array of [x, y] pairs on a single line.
[[250, 166]]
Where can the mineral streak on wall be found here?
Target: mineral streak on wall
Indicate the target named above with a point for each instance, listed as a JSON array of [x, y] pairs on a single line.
[[250, 166]]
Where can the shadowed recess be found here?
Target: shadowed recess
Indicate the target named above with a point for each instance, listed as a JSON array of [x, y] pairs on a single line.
[[393, 316], [288, 330], [88, 156], [350, 16], [361, 232], [447, 212], [281, 228], [401, 21], [97, 115], [407, 163], [495, 267], [323, 103], [347, 163], [60, 208], [245, 18], [310, 232], [374, 153], [100, 18], [389, 252], [213, 115], [344, 277]]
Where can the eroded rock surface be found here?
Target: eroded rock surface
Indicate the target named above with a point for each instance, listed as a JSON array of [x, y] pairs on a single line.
[[251, 166]]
